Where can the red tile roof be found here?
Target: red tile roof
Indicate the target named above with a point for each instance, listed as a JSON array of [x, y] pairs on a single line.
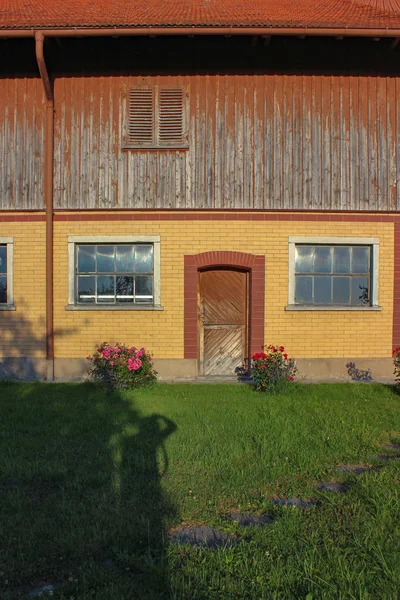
[[24, 14]]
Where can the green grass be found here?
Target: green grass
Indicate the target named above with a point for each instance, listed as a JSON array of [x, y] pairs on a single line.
[[90, 483]]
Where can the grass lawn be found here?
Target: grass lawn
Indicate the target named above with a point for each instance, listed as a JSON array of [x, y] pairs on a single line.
[[90, 483]]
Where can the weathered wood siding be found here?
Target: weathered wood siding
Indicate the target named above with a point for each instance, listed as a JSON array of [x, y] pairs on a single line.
[[255, 142], [21, 143]]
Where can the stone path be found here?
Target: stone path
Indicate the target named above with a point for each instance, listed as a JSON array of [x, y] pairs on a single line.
[[206, 537], [202, 536]]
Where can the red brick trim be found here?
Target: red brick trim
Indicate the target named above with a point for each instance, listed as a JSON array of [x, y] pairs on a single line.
[[253, 263], [21, 218], [228, 216], [151, 215], [396, 297]]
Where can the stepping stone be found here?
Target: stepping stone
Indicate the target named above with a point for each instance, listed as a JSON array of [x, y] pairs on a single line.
[[246, 520], [385, 457], [298, 502], [202, 537], [355, 469], [37, 592], [333, 486], [391, 447]]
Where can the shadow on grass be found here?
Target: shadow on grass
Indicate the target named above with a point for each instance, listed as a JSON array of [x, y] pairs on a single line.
[[82, 507]]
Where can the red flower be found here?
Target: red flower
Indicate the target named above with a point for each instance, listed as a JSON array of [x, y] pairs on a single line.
[[285, 356], [281, 349], [291, 378], [259, 355]]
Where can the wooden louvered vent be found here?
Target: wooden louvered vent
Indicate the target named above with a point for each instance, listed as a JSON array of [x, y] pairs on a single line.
[[171, 117], [141, 117], [156, 118]]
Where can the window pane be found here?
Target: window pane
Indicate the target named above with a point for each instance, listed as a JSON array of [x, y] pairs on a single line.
[[360, 290], [360, 260], [3, 290], [341, 260], [105, 289], [86, 259], [341, 290], [323, 290], [124, 259], [322, 259], [304, 259], [124, 289], [3, 259], [303, 290], [144, 259], [143, 289], [86, 289], [105, 259]]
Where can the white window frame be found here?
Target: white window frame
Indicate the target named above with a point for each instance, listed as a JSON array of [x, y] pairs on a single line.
[[332, 241], [9, 242], [73, 240]]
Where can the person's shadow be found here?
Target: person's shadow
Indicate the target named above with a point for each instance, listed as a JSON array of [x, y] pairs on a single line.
[[83, 492], [140, 462]]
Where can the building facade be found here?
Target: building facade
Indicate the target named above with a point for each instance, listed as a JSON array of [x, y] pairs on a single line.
[[200, 193]]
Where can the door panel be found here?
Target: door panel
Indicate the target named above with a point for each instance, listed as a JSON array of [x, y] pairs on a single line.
[[223, 305]]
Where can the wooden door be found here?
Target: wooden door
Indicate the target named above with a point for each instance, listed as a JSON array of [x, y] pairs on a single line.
[[223, 318]]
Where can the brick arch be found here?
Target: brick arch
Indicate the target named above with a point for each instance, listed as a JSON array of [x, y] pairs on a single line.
[[254, 263]]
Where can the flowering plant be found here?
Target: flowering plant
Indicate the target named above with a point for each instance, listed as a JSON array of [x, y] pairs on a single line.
[[272, 369], [396, 363], [121, 367], [358, 374]]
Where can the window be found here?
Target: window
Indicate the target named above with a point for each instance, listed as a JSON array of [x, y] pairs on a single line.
[[6, 273], [108, 272], [157, 118], [333, 273]]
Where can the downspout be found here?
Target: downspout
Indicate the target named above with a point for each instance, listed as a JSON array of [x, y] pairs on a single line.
[[48, 200]]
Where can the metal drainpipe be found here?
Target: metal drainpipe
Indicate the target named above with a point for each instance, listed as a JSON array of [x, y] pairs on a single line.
[[48, 199]]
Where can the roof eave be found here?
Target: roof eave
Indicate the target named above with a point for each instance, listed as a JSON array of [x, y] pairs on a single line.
[[195, 30]]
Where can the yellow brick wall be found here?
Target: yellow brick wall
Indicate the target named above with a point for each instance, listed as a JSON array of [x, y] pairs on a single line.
[[22, 332], [305, 334]]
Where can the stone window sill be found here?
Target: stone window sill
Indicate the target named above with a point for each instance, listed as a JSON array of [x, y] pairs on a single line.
[[111, 307], [7, 307], [332, 307]]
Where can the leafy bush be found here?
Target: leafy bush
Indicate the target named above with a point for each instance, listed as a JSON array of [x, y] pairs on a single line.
[[396, 362], [358, 374], [119, 367], [272, 370]]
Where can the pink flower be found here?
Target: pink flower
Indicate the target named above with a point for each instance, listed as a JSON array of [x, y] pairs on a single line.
[[134, 364], [111, 362], [147, 375], [263, 367], [140, 352]]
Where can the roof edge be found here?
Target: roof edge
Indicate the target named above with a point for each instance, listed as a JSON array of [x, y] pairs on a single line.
[[194, 30]]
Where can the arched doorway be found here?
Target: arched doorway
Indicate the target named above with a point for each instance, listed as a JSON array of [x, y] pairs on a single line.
[[223, 320], [253, 267]]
